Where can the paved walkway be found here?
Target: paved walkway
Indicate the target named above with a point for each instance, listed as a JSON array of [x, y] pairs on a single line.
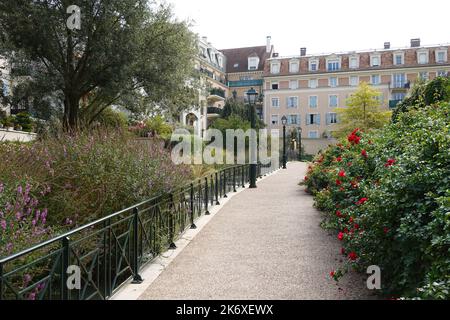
[[263, 244]]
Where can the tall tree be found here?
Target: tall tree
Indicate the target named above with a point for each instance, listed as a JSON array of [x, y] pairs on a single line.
[[125, 51], [363, 111]]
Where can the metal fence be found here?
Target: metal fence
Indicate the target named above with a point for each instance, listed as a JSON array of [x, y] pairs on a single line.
[[109, 252]]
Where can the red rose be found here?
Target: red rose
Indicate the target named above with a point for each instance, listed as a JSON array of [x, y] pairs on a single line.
[[390, 163], [338, 182], [350, 220], [339, 159], [342, 251], [339, 214], [341, 236], [332, 274], [342, 174], [356, 226], [362, 201], [352, 256], [364, 153]]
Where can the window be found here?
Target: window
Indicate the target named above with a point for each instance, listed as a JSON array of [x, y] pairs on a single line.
[[332, 118], [398, 96], [313, 83], [398, 58], [275, 102], [313, 65], [375, 79], [275, 85], [313, 101], [293, 119], [275, 68], [354, 62], [292, 102], [399, 80], [293, 84], [375, 60], [293, 66], [333, 65], [253, 63], [442, 73], [423, 76], [313, 134], [333, 101], [274, 119], [333, 82], [441, 56], [354, 81], [422, 57], [312, 118]]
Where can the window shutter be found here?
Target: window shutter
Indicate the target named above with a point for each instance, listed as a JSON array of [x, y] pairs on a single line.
[[298, 119], [328, 118], [308, 119], [318, 119]]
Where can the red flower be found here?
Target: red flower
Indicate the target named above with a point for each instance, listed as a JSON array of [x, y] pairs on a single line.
[[345, 231], [338, 182], [339, 214], [362, 201], [306, 178], [342, 174], [350, 220], [349, 164], [356, 226], [342, 251], [332, 274], [386, 230], [339, 159], [390, 163], [352, 256], [341, 236], [364, 153]]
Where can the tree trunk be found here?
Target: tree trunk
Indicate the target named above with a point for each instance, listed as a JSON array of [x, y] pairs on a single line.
[[71, 107]]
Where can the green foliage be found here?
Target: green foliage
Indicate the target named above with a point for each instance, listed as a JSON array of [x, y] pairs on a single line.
[[232, 122], [113, 119], [388, 194], [8, 121], [158, 125], [424, 94], [362, 111], [24, 120]]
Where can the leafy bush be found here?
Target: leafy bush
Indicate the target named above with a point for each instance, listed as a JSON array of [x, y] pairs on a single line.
[[91, 174], [113, 119], [387, 193], [24, 120]]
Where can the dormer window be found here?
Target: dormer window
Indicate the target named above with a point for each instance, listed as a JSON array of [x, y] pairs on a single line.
[[353, 62], [375, 60], [293, 66], [399, 58], [441, 56], [253, 63], [313, 65], [275, 67], [333, 64], [422, 57]]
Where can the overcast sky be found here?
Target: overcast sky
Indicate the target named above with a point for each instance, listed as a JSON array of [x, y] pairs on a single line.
[[322, 26]]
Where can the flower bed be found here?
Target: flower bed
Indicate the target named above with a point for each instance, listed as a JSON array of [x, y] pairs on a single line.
[[387, 195]]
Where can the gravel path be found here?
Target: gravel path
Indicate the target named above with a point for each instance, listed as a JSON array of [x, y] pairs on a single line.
[[265, 243]]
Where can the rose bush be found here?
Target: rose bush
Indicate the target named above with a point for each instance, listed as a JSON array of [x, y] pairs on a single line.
[[387, 195]]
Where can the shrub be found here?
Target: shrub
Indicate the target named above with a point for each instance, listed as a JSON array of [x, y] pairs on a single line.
[[113, 119], [387, 194], [24, 120], [91, 174]]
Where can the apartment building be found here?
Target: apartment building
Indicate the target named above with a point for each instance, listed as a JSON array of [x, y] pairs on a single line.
[[245, 70], [308, 88], [211, 65]]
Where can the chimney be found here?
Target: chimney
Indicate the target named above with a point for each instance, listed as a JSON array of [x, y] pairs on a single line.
[[387, 45], [268, 45], [415, 43], [302, 52]]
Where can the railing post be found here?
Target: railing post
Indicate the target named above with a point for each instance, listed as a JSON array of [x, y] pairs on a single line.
[[137, 279], [216, 187], [207, 213], [225, 183], [234, 179], [243, 175], [1, 281], [193, 226], [172, 245], [65, 267]]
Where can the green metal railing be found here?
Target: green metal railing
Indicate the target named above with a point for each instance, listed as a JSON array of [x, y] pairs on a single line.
[[111, 251]]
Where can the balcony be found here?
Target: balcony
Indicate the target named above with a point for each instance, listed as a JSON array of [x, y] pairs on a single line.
[[216, 95], [214, 112], [400, 85], [246, 83]]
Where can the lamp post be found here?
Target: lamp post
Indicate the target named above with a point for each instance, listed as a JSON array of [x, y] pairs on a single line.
[[284, 122], [252, 96], [300, 144]]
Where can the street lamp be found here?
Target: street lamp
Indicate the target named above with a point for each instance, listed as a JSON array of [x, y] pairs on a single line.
[[300, 143], [252, 96], [284, 121]]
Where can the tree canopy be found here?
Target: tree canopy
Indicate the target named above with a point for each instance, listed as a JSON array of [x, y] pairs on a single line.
[[130, 53], [363, 111]]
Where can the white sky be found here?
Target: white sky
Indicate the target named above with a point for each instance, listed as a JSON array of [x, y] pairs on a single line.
[[322, 26]]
